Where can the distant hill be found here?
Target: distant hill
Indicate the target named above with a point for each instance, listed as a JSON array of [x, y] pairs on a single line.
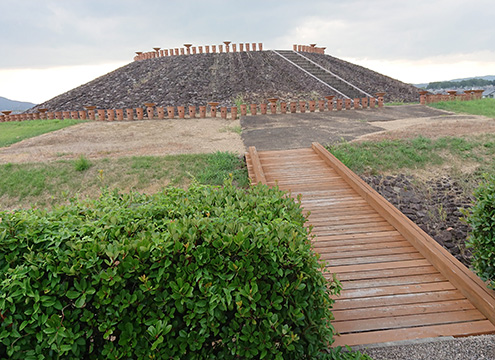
[[7, 104], [476, 81]]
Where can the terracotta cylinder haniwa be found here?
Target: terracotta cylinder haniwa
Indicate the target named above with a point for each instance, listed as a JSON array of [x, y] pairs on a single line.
[[241, 47], [312, 105], [260, 46], [74, 115], [372, 102], [200, 49], [294, 47], [182, 51], [177, 51], [380, 96], [181, 110], [347, 103], [120, 114], [170, 112], [130, 114], [202, 111], [356, 103], [165, 52], [234, 47], [247, 47], [101, 115], [2, 118], [213, 109], [243, 109], [150, 111], [330, 102], [273, 108], [321, 105], [233, 112], [293, 107], [82, 114], [207, 49], [213, 48], [91, 112], [160, 112], [364, 102], [263, 109], [37, 116], [66, 114], [340, 102], [302, 106], [283, 107], [194, 50], [111, 115], [139, 113], [51, 115], [223, 112], [192, 111], [220, 49], [253, 46], [253, 109]]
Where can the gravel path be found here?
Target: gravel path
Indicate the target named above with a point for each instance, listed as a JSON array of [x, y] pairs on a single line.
[[470, 348]]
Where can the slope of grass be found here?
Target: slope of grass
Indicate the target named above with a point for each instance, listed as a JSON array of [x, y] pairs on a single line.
[[12, 132], [420, 152], [485, 107], [50, 184]]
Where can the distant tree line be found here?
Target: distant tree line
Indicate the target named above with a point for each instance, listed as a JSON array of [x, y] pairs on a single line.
[[459, 84]]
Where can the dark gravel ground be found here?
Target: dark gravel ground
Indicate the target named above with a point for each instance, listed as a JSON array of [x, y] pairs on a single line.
[[435, 206]]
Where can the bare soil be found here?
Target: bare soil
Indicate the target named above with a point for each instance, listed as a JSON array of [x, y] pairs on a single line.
[[118, 139]]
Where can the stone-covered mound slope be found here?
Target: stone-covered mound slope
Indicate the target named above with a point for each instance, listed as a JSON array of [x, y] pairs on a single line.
[[227, 78]]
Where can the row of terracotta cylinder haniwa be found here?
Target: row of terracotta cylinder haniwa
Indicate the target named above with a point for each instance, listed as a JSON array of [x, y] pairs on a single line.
[[426, 98], [189, 49], [157, 112], [311, 48]]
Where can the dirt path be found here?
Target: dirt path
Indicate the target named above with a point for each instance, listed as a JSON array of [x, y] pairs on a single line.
[[118, 139], [291, 131]]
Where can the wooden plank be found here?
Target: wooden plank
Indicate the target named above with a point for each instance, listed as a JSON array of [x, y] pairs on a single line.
[[470, 285], [397, 299], [395, 290], [406, 321], [462, 329], [373, 259], [363, 238], [329, 254], [383, 266], [257, 168], [401, 310], [373, 275], [395, 280], [329, 247]]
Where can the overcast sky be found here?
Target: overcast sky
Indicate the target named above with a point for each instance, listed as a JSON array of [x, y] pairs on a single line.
[[51, 46]]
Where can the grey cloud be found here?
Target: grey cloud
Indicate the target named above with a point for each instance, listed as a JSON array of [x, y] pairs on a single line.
[[59, 32]]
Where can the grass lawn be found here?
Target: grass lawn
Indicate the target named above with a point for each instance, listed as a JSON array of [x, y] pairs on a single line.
[[484, 107], [12, 132], [50, 184], [466, 157]]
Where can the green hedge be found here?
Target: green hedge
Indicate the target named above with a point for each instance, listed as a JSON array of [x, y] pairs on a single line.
[[201, 273], [481, 239]]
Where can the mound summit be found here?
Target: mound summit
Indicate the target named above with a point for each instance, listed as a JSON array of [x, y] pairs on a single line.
[[230, 78]]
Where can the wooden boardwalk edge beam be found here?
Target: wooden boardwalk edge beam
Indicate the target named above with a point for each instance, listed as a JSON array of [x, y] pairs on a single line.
[[461, 277]]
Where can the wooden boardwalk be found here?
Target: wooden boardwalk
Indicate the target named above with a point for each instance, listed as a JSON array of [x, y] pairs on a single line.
[[398, 283]]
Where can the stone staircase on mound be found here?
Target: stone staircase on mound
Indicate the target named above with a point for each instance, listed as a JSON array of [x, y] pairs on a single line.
[[341, 87]]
